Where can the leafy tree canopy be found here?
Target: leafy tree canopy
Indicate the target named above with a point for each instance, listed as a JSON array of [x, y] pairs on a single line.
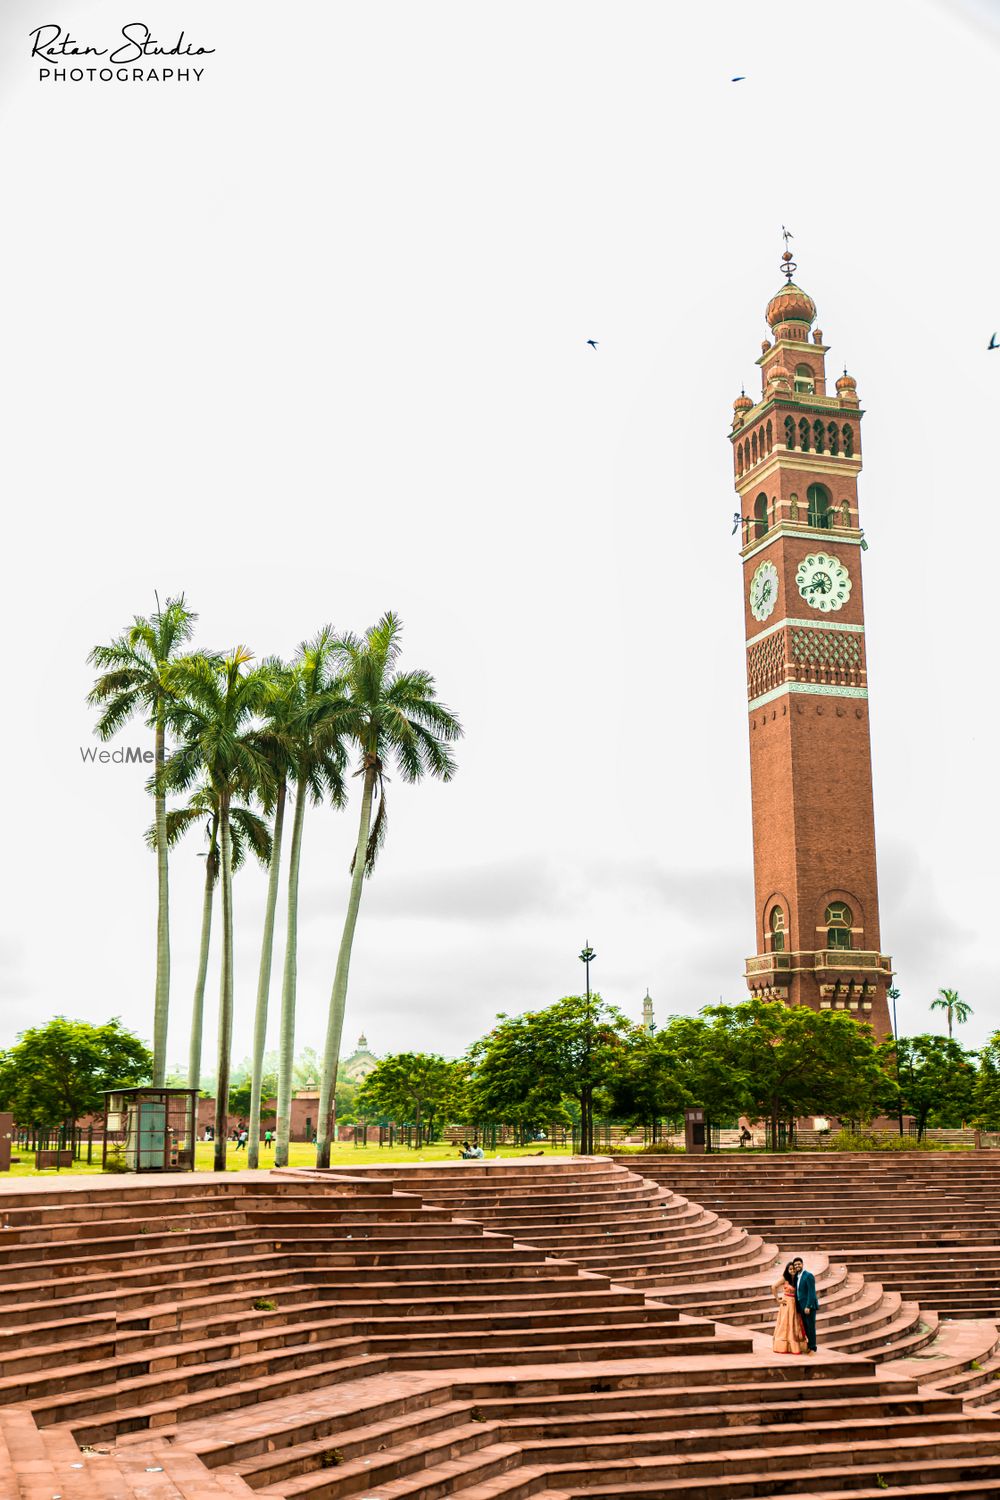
[[529, 1065], [59, 1071], [937, 1075], [408, 1088]]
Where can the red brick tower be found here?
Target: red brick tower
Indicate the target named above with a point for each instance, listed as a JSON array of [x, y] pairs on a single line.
[[797, 455]]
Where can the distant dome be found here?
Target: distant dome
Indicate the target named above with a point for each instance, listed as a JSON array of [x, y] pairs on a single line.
[[778, 375], [847, 382], [742, 403], [791, 305]]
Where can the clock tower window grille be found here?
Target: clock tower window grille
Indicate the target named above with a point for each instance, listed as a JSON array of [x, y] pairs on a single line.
[[838, 925], [820, 506], [777, 930], [760, 515]]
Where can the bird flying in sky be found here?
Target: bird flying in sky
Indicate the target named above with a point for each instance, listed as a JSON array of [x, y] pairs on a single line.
[[592, 343], [740, 78], [993, 343]]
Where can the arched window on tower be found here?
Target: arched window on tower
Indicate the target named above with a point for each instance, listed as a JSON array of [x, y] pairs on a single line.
[[805, 385], [804, 434], [753, 447], [833, 438], [777, 930], [789, 432], [739, 458], [818, 436], [770, 435], [820, 512], [839, 920], [760, 515], [845, 513], [746, 454], [847, 432]]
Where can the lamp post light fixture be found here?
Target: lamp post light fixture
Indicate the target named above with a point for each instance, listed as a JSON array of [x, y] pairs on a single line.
[[586, 958]]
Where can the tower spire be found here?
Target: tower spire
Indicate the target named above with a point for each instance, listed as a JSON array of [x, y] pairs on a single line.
[[788, 266]]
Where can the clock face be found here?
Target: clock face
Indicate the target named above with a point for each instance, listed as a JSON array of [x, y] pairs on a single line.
[[764, 591], [823, 581]]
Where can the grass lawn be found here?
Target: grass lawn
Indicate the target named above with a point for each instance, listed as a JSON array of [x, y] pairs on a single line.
[[300, 1155]]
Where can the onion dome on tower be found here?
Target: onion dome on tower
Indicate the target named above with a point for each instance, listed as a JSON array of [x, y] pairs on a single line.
[[847, 389], [741, 406]]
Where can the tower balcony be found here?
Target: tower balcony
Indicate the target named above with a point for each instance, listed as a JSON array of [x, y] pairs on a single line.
[[839, 969]]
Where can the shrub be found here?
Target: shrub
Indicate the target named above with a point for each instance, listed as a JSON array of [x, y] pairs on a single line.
[[861, 1140]]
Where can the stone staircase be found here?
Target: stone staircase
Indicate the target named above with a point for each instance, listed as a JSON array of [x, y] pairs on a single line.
[[329, 1335], [926, 1224], [603, 1216]]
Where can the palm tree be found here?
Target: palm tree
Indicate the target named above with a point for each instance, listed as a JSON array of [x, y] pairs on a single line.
[[389, 715], [317, 766], [134, 670], [957, 1010], [217, 705], [248, 832], [275, 742]]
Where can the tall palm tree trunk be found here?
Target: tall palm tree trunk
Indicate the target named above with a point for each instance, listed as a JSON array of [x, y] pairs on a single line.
[[286, 1052], [264, 980], [161, 1006], [225, 988], [198, 1007], [338, 996]]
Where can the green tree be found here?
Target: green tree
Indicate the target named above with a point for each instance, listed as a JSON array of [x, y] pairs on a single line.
[[389, 715], [241, 1100], [795, 1060], [986, 1094], [651, 1080], [530, 1064], [248, 832], [311, 715], [936, 1076], [59, 1071], [216, 709], [135, 669], [957, 1011], [409, 1088]]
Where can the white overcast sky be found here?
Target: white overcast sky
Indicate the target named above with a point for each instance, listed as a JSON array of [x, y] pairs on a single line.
[[307, 341]]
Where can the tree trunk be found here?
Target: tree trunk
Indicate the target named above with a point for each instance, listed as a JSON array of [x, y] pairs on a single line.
[[198, 1007], [286, 1053], [161, 1006], [264, 981], [338, 996], [225, 988]]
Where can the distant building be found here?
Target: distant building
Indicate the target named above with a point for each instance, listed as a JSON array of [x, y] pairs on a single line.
[[647, 1012], [361, 1062]]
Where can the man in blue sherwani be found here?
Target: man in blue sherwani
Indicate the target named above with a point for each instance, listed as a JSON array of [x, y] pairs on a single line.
[[806, 1301]]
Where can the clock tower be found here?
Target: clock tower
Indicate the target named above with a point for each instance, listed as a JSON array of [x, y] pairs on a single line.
[[797, 456]]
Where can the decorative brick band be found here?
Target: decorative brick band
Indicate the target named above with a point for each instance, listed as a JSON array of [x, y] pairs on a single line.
[[824, 689]]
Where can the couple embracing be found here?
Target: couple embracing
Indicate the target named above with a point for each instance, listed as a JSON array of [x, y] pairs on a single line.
[[798, 1304]]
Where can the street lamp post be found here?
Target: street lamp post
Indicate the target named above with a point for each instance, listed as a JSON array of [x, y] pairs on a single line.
[[893, 995], [586, 1117]]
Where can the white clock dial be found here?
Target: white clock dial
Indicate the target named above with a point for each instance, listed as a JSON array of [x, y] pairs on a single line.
[[764, 591], [823, 581]]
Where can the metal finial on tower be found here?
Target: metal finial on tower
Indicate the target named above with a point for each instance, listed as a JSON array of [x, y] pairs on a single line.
[[788, 266]]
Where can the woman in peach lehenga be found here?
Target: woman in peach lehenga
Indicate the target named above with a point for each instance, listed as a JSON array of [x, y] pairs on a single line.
[[789, 1334]]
